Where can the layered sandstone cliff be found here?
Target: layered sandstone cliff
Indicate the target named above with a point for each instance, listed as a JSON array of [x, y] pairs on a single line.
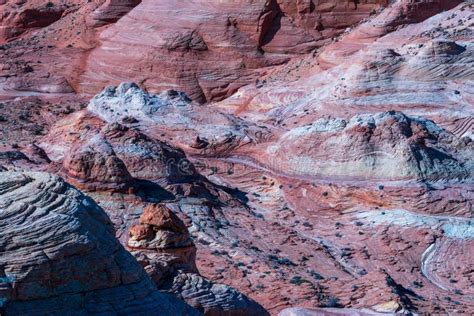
[[209, 49]]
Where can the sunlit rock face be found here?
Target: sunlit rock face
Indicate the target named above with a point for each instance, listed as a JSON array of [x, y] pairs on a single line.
[[209, 49], [388, 146], [59, 255]]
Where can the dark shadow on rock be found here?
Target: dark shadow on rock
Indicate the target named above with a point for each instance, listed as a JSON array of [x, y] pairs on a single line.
[[275, 25], [152, 192]]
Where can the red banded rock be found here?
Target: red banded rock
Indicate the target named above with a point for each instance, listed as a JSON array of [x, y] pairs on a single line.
[[209, 49], [115, 155], [110, 12], [161, 243], [163, 246], [375, 68], [397, 14], [59, 255], [168, 230], [122, 128], [19, 16], [95, 166], [111, 156], [149, 159]]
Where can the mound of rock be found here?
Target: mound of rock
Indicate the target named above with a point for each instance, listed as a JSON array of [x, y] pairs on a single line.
[[19, 16], [129, 100], [130, 124], [387, 145], [59, 255], [163, 226], [442, 48], [162, 244], [102, 156], [95, 165]]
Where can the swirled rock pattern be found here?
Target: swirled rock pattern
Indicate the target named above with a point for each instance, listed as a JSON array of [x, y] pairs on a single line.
[[195, 37], [111, 11], [211, 298], [59, 255], [388, 146], [319, 153]]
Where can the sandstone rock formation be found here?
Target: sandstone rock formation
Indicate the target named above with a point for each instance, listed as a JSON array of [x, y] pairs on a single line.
[[388, 146], [159, 228], [107, 147], [59, 255], [296, 311], [109, 156], [189, 49], [20, 15], [128, 100], [111, 11], [96, 164], [162, 244], [330, 172], [207, 130]]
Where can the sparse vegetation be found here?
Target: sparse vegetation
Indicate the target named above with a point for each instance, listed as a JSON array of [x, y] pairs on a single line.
[[281, 261], [331, 302], [298, 280]]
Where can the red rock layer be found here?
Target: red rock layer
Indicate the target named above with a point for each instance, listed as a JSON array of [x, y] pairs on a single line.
[[391, 232], [209, 49], [18, 16]]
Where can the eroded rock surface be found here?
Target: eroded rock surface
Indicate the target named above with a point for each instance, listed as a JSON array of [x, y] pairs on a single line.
[[162, 244], [59, 255], [111, 11], [336, 179], [213, 48], [388, 146], [111, 156], [19, 16]]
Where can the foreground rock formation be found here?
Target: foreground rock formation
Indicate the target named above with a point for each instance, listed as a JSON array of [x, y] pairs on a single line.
[[162, 245], [59, 255], [74, 264]]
